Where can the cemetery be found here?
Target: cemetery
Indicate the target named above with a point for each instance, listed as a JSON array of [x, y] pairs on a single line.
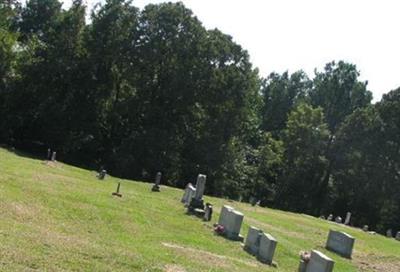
[[70, 215]]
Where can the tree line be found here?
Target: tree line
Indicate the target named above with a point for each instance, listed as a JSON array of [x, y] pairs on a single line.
[[140, 91]]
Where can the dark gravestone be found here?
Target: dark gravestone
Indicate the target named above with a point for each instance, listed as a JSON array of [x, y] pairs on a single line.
[[156, 186], [208, 212]]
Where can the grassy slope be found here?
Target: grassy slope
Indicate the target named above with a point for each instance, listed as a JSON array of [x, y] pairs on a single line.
[[57, 217]]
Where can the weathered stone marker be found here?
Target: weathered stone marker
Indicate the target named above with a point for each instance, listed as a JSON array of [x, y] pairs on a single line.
[[48, 154], [156, 186], [196, 204], [117, 193], [389, 233], [53, 156], [231, 220], [267, 248], [338, 219], [398, 236], [330, 217], [188, 195], [200, 186], [318, 262], [365, 228], [341, 243], [253, 240], [348, 217], [102, 174], [208, 212]]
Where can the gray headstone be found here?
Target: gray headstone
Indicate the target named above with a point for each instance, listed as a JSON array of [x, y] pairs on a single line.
[[158, 178], [340, 242], [389, 233], [267, 248], [319, 262], [348, 217], [330, 217], [224, 214], [338, 219], [398, 236], [53, 156], [233, 224], [48, 154], [188, 194], [200, 186], [253, 240], [208, 210], [302, 266]]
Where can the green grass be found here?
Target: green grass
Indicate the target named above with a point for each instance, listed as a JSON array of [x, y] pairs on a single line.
[[55, 217]]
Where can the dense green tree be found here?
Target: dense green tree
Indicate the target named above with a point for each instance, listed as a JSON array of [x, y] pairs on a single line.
[[305, 140], [281, 93]]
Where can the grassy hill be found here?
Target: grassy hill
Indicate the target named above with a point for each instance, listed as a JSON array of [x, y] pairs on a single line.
[[55, 217]]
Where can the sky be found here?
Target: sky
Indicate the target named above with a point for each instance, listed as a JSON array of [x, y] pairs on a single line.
[[291, 35]]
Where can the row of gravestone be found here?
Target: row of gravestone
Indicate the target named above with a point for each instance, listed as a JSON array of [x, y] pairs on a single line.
[[263, 245]]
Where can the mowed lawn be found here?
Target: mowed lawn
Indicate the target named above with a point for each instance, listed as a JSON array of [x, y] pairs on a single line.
[[55, 217]]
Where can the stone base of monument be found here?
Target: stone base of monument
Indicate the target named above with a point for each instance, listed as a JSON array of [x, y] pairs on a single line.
[[155, 188], [195, 204]]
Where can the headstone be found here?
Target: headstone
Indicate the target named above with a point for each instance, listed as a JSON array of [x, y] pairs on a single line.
[[102, 174], [365, 228], [319, 262], [330, 217], [117, 193], [389, 233], [341, 243], [253, 240], [338, 220], [253, 201], [200, 186], [348, 217], [208, 212], [267, 248], [233, 224], [322, 217], [53, 156], [190, 192], [231, 220], [185, 193], [156, 186], [48, 154], [224, 214], [398, 236]]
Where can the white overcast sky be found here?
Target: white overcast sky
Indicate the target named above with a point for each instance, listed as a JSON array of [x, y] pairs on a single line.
[[290, 35]]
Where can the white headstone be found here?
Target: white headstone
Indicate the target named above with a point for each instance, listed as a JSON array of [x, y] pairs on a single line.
[[267, 248], [348, 217], [200, 186], [319, 262], [340, 242], [253, 240]]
